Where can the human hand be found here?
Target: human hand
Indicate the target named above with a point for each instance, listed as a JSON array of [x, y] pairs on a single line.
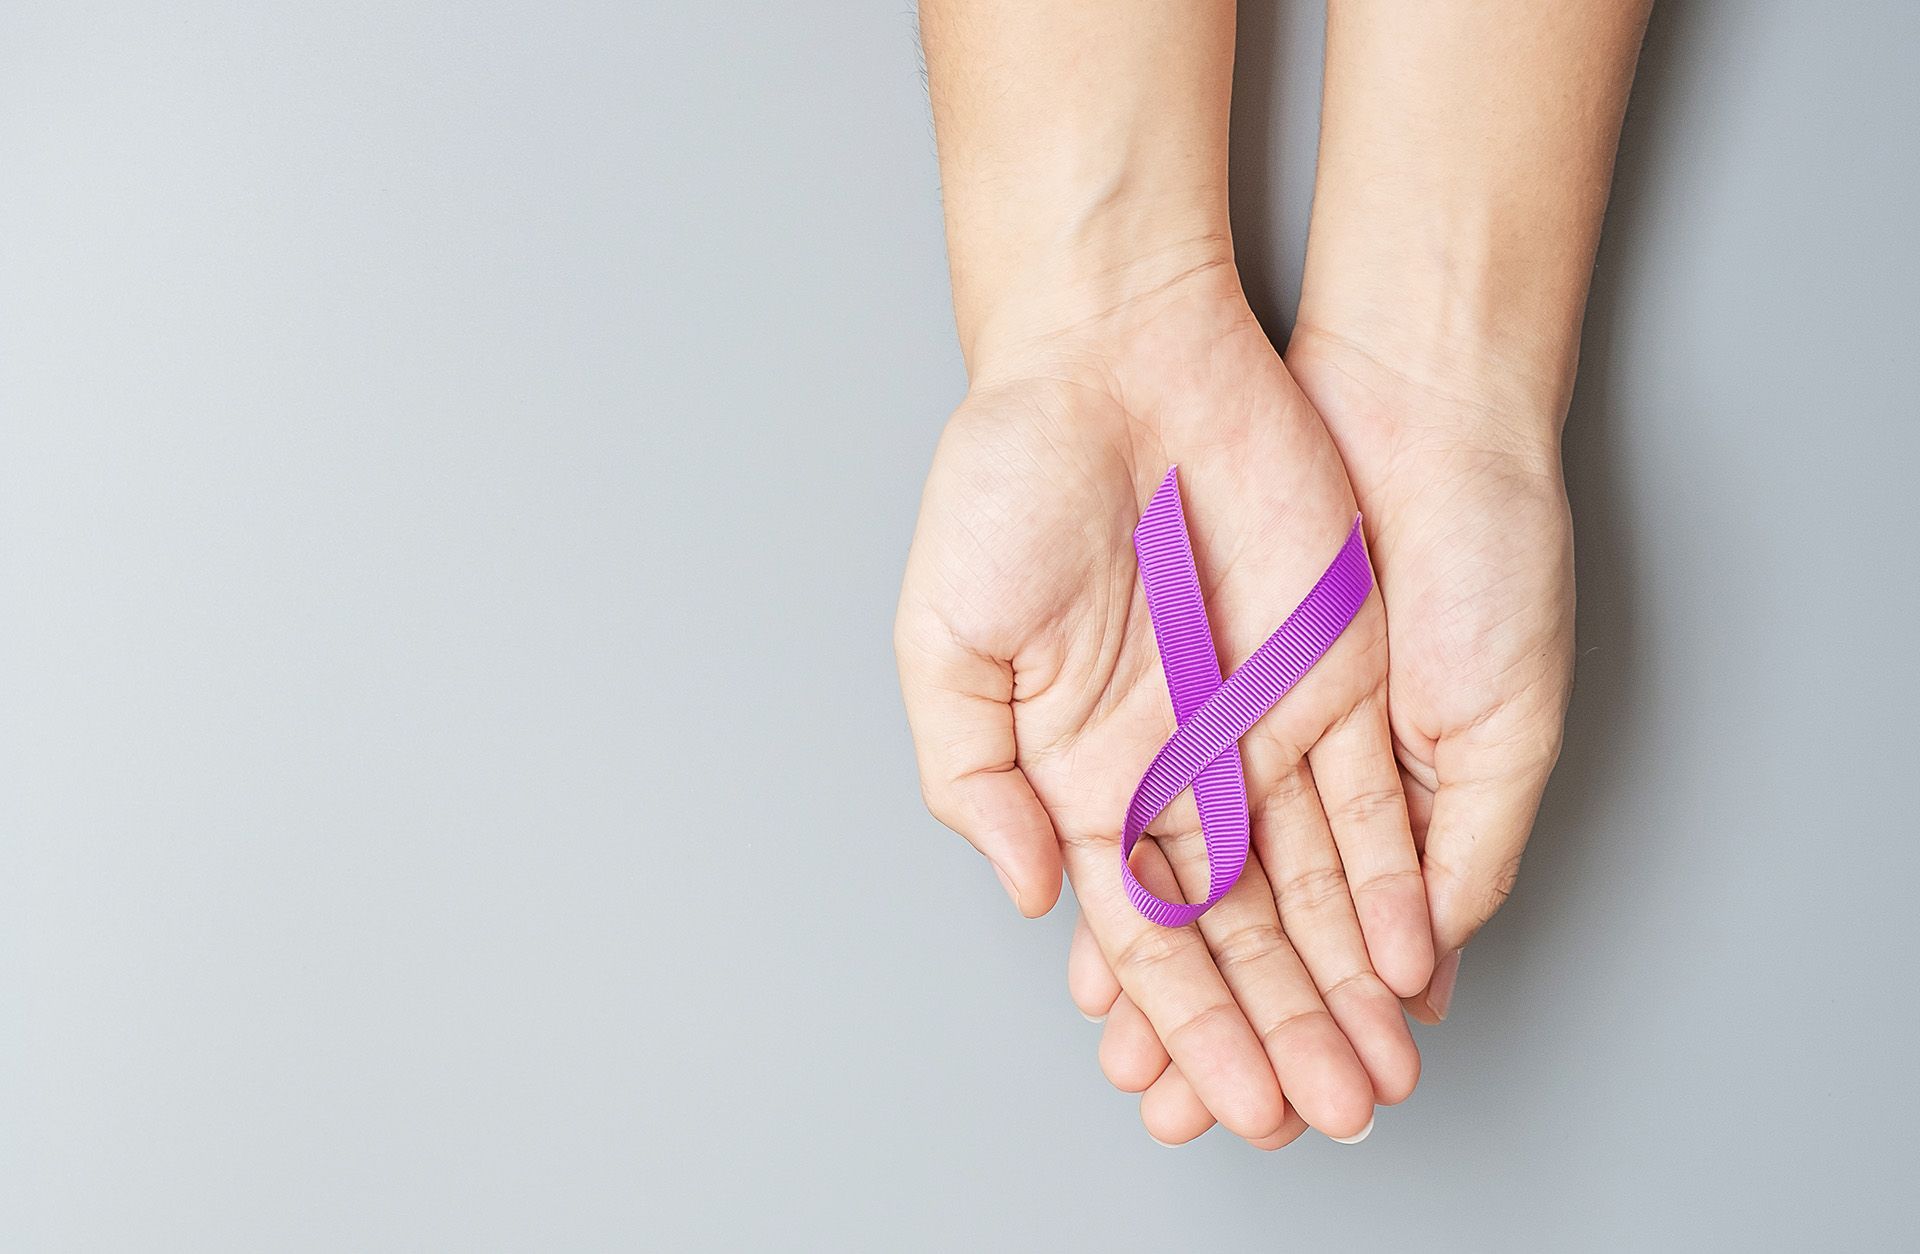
[[1457, 206], [1473, 547], [1034, 690]]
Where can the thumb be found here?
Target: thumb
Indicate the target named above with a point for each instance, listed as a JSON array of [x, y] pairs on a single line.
[[1477, 832], [960, 707]]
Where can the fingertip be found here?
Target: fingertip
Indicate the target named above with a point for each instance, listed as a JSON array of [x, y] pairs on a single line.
[[1032, 902], [1326, 1081], [1396, 1080], [1350, 1127], [1034, 894], [1041, 895], [1007, 884], [1172, 1111], [1399, 936], [1288, 1133], [1027, 859], [1418, 1011], [1090, 981], [1376, 1028], [998, 813], [1224, 1060], [1407, 978], [1449, 906], [1131, 1056], [1357, 1137], [1431, 1005], [1257, 1114], [1439, 996], [1473, 849]]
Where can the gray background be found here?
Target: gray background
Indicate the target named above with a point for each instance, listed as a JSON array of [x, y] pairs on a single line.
[[455, 465]]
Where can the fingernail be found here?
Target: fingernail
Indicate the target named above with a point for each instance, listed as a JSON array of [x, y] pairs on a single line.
[[1007, 884], [1440, 991], [1357, 1137], [1093, 1018], [1157, 1141]]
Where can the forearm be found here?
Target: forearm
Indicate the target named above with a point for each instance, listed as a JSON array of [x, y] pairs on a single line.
[[1465, 157], [1083, 153]]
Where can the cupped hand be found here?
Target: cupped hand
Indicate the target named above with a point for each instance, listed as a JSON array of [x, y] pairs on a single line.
[[1472, 543], [1472, 546], [1035, 695]]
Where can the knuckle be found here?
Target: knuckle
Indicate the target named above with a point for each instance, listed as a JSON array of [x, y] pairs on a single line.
[[1182, 844], [1311, 890], [1370, 808], [1213, 1015], [1149, 949], [1545, 733], [1098, 842], [1292, 1019], [1248, 943], [1529, 742], [1553, 738], [1364, 982], [1285, 792], [1383, 880], [941, 804]]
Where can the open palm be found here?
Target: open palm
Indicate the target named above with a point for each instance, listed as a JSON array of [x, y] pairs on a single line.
[[1473, 543], [1035, 694]]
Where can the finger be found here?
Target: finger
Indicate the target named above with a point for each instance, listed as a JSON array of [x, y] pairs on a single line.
[[959, 705], [1419, 810], [1474, 842], [1173, 1111], [1430, 1007], [1385, 1092], [1359, 785], [1090, 980], [1169, 975], [1131, 1056], [1319, 1073], [1295, 847], [1420, 815], [1375, 1020], [1289, 1133]]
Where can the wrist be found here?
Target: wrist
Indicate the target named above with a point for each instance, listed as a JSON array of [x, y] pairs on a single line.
[[1382, 395], [1108, 297], [1452, 354], [1474, 296], [1094, 272], [1083, 158]]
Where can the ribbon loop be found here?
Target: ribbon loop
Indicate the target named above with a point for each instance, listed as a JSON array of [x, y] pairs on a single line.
[[1211, 714]]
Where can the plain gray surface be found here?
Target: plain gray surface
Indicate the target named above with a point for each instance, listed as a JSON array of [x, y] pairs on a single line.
[[455, 465]]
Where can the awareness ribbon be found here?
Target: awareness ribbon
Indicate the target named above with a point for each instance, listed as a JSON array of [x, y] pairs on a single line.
[[1211, 715]]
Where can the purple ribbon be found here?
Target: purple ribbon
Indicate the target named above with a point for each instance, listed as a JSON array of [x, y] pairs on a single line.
[[1211, 715]]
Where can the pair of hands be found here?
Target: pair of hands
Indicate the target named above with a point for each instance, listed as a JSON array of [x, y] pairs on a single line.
[[1391, 792]]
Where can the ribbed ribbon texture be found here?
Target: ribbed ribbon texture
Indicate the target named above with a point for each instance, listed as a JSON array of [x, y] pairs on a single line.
[[1211, 715]]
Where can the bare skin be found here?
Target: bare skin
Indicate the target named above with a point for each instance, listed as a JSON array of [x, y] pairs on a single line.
[[1456, 213], [1035, 693], [1464, 164]]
